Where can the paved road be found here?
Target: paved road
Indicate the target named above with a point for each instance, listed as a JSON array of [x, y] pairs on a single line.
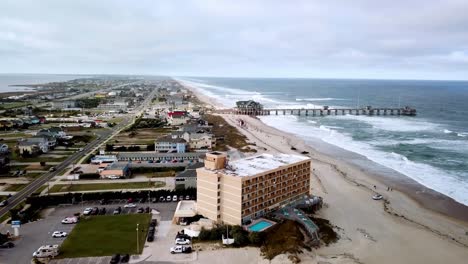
[[104, 136]]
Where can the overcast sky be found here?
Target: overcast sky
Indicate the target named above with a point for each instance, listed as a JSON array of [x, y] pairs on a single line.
[[407, 39]]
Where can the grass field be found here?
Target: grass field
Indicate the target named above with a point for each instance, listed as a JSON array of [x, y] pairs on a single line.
[[104, 186], [15, 187], [106, 235]]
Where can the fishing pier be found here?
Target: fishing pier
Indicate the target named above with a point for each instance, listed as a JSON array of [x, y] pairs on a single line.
[[253, 108]]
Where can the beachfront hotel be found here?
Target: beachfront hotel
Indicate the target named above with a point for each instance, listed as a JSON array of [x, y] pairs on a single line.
[[234, 192]]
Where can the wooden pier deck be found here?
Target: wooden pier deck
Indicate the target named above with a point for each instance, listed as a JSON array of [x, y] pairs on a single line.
[[369, 111]]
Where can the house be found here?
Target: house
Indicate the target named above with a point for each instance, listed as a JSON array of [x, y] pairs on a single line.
[[104, 159], [177, 118], [201, 141], [56, 132], [188, 178], [42, 143], [6, 124], [235, 192], [116, 169], [51, 140], [170, 143], [26, 147], [64, 104], [249, 107]]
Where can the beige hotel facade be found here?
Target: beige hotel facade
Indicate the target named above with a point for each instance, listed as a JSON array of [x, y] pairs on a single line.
[[233, 192]]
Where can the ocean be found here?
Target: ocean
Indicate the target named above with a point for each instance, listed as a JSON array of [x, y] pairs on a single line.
[[431, 148], [6, 80]]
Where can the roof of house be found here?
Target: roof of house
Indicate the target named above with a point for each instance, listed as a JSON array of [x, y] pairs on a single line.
[[171, 139], [118, 166], [26, 143]]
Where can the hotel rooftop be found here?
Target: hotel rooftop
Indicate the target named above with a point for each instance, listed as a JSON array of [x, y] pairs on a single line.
[[260, 163]]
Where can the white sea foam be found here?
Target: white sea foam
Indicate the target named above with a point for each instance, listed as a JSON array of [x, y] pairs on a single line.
[[454, 145], [446, 131], [433, 178], [462, 134], [228, 96], [322, 99], [392, 123]]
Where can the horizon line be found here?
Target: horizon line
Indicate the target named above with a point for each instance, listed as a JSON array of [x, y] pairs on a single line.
[[236, 77]]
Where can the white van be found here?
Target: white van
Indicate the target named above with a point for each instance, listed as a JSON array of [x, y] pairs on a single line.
[[47, 251]]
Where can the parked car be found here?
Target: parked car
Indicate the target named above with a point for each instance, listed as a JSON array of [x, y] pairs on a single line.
[[117, 210], [150, 237], [168, 198], [95, 211], [181, 197], [59, 234], [162, 199], [154, 200], [153, 222], [130, 205], [377, 196], [182, 241], [125, 258], [52, 169], [140, 210], [181, 249], [115, 259], [70, 220], [7, 245], [87, 211], [187, 197], [102, 211], [147, 210], [4, 203], [183, 221], [174, 198]]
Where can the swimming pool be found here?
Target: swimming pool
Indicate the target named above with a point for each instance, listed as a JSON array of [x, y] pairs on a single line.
[[260, 226]]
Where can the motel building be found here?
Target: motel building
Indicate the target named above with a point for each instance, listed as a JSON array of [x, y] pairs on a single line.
[[234, 192]]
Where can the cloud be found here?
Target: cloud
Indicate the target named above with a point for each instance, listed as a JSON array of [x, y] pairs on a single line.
[[303, 38]]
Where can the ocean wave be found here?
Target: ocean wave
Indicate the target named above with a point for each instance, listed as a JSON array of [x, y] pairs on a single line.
[[322, 99], [446, 131], [391, 124], [445, 182], [228, 96], [462, 134]]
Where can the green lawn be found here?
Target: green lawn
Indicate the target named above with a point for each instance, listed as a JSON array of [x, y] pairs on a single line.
[[104, 186], [15, 187], [106, 235], [38, 191]]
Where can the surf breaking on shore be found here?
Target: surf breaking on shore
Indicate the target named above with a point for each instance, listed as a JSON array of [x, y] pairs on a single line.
[[386, 150]]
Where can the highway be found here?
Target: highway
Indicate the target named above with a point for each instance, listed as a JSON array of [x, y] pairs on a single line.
[[102, 138]]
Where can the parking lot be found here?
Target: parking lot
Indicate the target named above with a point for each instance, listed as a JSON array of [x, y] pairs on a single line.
[[36, 234]]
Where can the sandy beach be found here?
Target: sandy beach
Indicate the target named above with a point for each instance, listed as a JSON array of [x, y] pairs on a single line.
[[399, 229]]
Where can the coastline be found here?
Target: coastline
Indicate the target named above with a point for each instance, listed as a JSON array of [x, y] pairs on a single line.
[[409, 206]]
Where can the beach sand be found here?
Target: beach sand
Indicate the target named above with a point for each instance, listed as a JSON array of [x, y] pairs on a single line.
[[397, 230]]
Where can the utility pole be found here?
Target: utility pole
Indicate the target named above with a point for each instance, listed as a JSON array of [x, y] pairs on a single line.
[[138, 245]]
